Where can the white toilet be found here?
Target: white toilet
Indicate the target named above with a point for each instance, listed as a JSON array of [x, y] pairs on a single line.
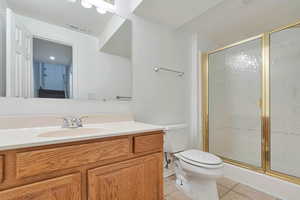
[[196, 171]]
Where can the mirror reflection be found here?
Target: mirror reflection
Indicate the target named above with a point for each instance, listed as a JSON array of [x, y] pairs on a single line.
[[52, 69], [47, 51]]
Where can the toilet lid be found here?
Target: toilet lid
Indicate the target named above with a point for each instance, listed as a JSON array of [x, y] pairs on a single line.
[[201, 157]]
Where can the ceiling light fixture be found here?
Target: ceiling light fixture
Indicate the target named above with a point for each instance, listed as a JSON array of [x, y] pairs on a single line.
[[101, 6], [101, 11], [72, 1], [86, 4], [52, 58]]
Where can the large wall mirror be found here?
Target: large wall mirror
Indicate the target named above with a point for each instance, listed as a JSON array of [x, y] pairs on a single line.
[[64, 49]]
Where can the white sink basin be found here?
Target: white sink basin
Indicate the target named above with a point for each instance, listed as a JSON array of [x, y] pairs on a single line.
[[73, 132]]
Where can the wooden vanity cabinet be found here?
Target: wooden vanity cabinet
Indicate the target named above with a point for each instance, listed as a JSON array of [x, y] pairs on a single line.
[[36, 162], [146, 143], [122, 167], [138, 179], [62, 188], [1, 168]]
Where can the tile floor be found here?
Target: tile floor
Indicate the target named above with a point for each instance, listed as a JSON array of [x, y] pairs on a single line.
[[228, 190]]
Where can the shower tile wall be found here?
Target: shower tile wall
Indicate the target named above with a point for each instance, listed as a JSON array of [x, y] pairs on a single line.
[[234, 94]]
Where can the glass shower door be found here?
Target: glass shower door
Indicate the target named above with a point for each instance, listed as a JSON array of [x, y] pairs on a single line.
[[234, 93], [285, 101]]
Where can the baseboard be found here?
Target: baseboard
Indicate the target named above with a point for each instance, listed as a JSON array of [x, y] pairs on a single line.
[[270, 185]]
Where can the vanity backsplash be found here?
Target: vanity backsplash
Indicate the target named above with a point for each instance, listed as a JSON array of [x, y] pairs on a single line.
[[32, 121]]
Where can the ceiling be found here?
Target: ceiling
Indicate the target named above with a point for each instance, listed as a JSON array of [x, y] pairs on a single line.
[[235, 20], [221, 22], [173, 12], [62, 13], [43, 49]]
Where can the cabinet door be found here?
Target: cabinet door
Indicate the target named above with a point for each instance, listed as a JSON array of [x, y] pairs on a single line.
[[138, 179], [63, 188], [1, 168]]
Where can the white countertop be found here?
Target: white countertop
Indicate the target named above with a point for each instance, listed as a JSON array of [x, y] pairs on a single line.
[[30, 137]]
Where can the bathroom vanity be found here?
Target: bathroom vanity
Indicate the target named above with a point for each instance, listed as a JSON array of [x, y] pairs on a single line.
[[116, 165]]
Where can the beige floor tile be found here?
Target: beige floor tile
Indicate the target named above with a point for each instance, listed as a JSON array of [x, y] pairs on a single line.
[[169, 188], [222, 190], [227, 189], [170, 179], [226, 182], [252, 193], [234, 196], [177, 196]]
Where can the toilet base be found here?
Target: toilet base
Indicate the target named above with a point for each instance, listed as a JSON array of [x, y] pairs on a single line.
[[198, 189], [183, 186]]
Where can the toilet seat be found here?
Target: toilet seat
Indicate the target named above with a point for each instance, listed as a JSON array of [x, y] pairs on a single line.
[[200, 159]]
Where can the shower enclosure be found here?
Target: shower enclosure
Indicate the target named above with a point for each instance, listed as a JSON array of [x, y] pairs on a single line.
[[251, 103]]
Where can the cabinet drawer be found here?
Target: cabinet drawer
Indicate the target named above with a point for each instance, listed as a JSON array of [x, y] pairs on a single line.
[[64, 188], [148, 143], [1, 168], [42, 161]]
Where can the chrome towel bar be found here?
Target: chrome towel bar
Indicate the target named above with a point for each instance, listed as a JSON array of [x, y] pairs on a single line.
[[157, 69]]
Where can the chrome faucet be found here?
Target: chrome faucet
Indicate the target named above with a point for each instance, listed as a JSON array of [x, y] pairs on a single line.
[[73, 122]]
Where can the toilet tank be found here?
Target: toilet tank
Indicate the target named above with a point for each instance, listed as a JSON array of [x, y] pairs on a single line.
[[176, 138]]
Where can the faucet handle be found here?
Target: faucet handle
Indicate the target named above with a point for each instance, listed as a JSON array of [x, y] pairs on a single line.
[[73, 122], [83, 117], [66, 122], [79, 121]]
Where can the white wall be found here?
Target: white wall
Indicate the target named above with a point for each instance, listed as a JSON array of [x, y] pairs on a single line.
[[194, 88], [2, 46], [159, 98], [162, 98], [20, 106]]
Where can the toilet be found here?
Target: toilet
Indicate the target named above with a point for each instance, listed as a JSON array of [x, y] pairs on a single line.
[[196, 171]]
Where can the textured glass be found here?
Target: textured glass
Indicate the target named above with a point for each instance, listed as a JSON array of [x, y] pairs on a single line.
[[285, 101], [234, 94]]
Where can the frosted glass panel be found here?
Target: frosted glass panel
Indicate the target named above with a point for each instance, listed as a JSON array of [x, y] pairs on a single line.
[[234, 94], [285, 101]]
